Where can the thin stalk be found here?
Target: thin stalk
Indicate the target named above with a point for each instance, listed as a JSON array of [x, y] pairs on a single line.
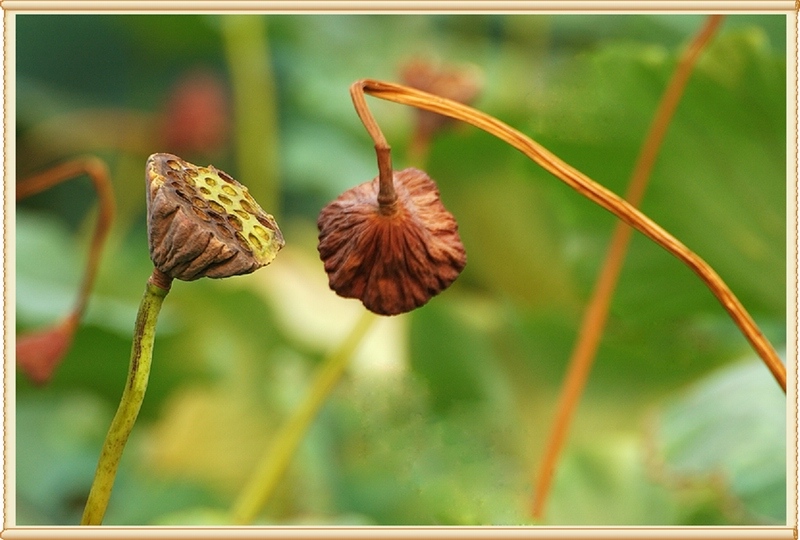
[[594, 192], [279, 454], [386, 194], [132, 396], [39, 352], [255, 106], [596, 314], [97, 171]]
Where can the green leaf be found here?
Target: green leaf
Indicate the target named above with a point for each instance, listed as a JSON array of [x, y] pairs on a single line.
[[47, 271], [58, 440], [731, 425], [455, 357]]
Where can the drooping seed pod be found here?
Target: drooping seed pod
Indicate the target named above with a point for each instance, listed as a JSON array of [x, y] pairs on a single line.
[[39, 353], [203, 223], [460, 83], [393, 258]]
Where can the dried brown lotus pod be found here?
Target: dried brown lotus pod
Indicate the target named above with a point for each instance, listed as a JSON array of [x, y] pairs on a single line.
[[40, 352], [460, 83], [393, 258], [203, 223]]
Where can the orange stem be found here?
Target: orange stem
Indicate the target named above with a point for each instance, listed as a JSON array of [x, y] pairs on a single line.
[[596, 314], [386, 193], [97, 171], [595, 193]]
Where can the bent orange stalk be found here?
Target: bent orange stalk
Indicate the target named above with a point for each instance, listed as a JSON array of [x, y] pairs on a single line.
[[588, 188], [596, 313], [39, 352]]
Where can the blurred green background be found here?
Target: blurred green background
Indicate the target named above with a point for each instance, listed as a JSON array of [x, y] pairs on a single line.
[[443, 414]]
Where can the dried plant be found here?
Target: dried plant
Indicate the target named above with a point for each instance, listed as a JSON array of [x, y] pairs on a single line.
[[201, 223], [40, 352], [389, 242], [581, 183], [393, 255]]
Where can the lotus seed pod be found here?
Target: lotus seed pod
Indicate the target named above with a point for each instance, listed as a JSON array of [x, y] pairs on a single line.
[[392, 259], [39, 353], [460, 83], [202, 222], [196, 116]]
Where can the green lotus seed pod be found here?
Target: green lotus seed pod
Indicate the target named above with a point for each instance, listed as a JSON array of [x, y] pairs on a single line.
[[203, 223]]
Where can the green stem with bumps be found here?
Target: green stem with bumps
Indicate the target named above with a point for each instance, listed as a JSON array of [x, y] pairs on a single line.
[[132, 396]]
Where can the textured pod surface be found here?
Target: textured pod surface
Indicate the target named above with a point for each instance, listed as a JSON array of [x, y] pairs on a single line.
[[393, 260], [203, 223]]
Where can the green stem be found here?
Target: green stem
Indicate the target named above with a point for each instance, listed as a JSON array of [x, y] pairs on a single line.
[[278, 456], [131, 402]]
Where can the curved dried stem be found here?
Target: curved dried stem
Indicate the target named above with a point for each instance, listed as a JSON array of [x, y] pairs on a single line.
[[594, 192], [97, 171], [38, 353], [596, 314], [386, 193]]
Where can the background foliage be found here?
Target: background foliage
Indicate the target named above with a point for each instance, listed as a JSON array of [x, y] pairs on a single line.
[[442, 416]]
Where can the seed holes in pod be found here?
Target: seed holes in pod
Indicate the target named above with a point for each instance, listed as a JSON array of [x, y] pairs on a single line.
[[262, 233], [245, 244], [216, 207], [265, 222], [247, 207], [199, 213], [224, 230], [201, 201], [255, 241], [235, 222]]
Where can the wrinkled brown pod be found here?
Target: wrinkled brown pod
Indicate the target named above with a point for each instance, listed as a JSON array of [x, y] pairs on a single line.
[[393, 257], [203, 223]]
